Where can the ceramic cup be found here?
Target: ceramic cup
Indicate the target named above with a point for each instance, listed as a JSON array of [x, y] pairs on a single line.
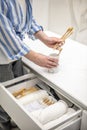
[[54, 69]]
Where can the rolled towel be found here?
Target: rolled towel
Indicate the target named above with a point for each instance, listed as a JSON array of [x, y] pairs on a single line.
[[69, 112], [51, 112], [40, 103], [64, 117], [33, 96]]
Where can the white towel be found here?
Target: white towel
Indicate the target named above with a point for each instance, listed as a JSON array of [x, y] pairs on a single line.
[[36, 105], [51, 112], [33, 96], [40, 104], [57, 121], [64, 117]]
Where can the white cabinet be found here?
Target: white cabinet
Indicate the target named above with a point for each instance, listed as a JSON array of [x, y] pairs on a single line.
[[70, 84], [71, 78], [23, 118]]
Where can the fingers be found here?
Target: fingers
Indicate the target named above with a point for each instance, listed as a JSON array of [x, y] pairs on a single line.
[[46, 61], [58, 45], [52, 62], [61, 43]]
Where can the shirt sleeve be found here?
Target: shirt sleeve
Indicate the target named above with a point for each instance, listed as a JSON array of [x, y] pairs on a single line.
[[11, 43], [34, 28]]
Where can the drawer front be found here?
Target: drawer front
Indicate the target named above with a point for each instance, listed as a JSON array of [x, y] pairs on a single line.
[[21, 116], [73, 125], [84, 120], [16, 112]]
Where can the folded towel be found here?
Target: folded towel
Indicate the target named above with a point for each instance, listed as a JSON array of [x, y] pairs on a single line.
[[51, 112], [40, 103]]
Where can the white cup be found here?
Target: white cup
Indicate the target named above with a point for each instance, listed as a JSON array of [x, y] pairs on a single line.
[[54, 69]]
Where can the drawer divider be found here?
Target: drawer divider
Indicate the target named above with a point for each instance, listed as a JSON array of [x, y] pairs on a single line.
[[19, 79]]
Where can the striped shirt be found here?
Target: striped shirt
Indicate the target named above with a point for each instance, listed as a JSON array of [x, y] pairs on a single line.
[[14, 23]]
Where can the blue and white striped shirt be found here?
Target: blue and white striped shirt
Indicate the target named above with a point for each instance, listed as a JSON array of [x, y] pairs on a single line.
[[13, 26]]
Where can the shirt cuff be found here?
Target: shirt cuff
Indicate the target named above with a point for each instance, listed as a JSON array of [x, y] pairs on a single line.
[[33, 31], [25, 49]]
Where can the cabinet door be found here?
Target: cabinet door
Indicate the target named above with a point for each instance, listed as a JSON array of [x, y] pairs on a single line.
[[84, 121]]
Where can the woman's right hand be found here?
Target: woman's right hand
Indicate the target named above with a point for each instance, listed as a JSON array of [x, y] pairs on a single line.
[[42, 60]]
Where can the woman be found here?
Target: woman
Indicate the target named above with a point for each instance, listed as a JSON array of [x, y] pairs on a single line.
[[16, 20]]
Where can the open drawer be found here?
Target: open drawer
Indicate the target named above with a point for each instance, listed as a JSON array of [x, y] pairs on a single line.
[[28, 117]]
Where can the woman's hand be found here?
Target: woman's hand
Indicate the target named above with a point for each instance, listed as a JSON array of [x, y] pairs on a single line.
[[52, 41], [42, 60], [49, 41]]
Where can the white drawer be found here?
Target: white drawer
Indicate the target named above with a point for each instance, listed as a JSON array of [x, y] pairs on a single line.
[[21, 116], [84, 120], [72, 125]]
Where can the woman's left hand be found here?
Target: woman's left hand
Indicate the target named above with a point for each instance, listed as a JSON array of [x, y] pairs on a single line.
[[49, 41], [52, 41]]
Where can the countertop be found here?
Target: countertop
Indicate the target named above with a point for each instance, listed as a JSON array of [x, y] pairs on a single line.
[[71, 78]]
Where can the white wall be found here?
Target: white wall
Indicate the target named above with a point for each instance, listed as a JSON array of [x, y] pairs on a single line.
[[41, 12], [58, 15]]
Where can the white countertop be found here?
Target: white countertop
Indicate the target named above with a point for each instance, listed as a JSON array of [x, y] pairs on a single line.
[[71, 77]]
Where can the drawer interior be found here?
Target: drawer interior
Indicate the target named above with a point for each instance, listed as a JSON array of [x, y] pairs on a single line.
[[46, 107]]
